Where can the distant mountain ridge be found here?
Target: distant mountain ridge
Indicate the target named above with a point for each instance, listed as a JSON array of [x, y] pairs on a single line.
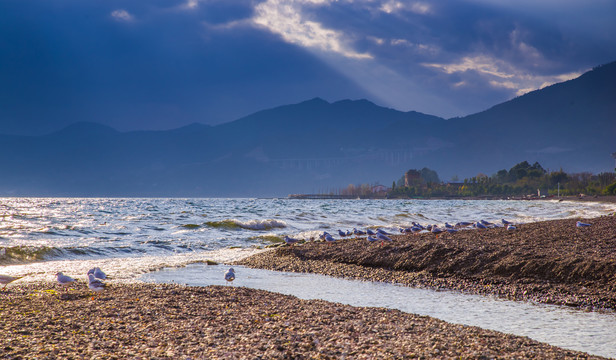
[[316, 146]]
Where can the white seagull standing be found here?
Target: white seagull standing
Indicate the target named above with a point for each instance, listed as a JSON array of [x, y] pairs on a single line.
[[95, 284], [383, 238], [290, 240], [330, 239], [372, 239], [6, 279], [230, 275], [64, 280]]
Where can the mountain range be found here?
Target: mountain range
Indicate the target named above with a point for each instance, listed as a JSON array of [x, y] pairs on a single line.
[[317, 146]]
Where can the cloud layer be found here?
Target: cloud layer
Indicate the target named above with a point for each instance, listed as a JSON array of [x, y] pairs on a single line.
[[164, 64]]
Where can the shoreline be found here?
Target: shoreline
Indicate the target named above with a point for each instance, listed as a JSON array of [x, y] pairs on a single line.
[[550, 262], [219, 322], [584, 198]]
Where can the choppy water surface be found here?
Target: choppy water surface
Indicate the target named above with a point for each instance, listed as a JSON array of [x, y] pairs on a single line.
[[590, 332], [40, 236]]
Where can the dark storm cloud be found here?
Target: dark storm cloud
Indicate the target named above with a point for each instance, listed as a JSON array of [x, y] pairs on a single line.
[[142, 65], [163, 64]]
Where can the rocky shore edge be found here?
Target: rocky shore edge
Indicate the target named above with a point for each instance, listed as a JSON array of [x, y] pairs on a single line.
[[165, 321], [551, 262]]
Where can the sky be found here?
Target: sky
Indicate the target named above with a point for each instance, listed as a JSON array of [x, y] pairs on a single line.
[[156, 65]]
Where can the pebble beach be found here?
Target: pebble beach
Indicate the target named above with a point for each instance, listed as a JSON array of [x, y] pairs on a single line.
[[154, 321]]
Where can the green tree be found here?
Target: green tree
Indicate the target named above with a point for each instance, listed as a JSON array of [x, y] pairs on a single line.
[[611, 189], [429, 176], [519, 170]]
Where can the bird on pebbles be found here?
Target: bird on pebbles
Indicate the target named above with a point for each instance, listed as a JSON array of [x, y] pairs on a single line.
[[98, 273], [383, 238], [290, 240], [95, 284], [372, 239], [64, 280], [6, 279]]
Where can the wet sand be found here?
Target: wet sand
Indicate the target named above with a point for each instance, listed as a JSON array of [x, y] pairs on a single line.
[[551, 262], [161, 321]]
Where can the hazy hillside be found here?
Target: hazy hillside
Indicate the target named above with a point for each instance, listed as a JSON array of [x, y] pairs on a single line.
[[570, 125], [315, 146]]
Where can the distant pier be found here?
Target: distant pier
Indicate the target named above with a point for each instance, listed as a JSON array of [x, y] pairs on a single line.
[[333, 197], [321, 196]]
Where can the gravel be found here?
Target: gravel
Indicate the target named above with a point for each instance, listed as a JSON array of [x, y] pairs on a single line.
[[154, 321]]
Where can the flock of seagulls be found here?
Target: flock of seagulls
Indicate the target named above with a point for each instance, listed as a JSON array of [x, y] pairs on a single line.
[[381, 235], [95, 276]]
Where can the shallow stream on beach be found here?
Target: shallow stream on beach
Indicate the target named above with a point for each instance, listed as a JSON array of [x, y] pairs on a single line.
[[591, 332]]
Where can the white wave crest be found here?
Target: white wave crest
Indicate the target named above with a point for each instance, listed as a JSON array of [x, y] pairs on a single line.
[[250, 224]]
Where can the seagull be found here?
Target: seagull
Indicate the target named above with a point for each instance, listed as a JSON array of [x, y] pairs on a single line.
[[581, 224], [511, 227], [98, 273], [463, 223], [358, 232], [406, 230], [451, 231], [415, 229], [370, 232], [383, 238], [64, 280], [290, 240], [230, 275], [341, 233], [436, 231], [6, 279], [505, 222], [329, 238], [381, 231], [486, 223], [95, 284], [372, 239], [479, 225], [448, 226]]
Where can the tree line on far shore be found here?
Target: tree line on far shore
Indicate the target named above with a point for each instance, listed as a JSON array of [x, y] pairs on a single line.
[[523, 179]]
